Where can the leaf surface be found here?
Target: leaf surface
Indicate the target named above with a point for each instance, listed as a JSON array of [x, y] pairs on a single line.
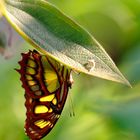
[[55, 34]]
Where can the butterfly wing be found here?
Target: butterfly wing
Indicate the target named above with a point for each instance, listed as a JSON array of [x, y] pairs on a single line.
[[46, 85]]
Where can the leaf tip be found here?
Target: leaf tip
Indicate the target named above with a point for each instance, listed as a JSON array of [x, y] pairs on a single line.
[[127, 83]]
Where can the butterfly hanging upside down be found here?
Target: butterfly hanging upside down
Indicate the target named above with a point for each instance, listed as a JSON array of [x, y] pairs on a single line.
[[46, 83]]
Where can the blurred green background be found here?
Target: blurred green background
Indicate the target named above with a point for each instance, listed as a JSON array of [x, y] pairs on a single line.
[[104, 110]]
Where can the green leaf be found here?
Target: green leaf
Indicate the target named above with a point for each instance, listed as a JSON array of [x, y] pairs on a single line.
[[55, 34]]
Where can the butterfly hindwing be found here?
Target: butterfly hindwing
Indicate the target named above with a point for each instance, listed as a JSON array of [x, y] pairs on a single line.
[[46, 84]]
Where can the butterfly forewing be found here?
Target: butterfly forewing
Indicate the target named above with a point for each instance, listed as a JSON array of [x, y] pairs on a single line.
[[46, 84]]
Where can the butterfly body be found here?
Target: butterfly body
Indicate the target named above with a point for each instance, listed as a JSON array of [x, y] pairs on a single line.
[[46, 84]]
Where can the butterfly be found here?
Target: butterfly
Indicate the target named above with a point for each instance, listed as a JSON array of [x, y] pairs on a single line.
[[46, 83]]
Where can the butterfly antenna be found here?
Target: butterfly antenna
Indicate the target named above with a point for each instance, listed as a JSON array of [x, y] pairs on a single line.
[[72, 112]]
